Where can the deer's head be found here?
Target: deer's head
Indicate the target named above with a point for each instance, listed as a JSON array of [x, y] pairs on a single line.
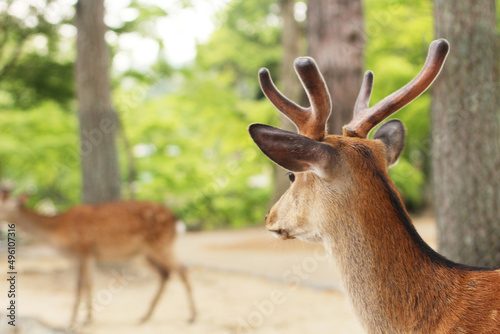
[[332, 176], [10, 206]]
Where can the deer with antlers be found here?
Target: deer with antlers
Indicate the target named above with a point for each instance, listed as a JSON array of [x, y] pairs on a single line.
[[341, 195], [114, 231]]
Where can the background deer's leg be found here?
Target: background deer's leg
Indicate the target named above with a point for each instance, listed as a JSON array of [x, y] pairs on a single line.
[[88, 287], [183, 274], [81, 285], [164, 269]]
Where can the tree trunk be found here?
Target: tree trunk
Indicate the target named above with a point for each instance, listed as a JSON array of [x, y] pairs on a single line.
[[290, 85], [98, 121], [336, 41], [466, 137]]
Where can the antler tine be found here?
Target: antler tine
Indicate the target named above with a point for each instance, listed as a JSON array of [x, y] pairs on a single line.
[[293, 111], [365, 93], [366, 119], [318, 95], [311, 122]]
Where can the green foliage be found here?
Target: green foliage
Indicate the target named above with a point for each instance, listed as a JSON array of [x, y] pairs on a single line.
[[30, 54], [188, 126], [398, 36], [248, 39], [196, 153], [146, 13], [38, 153], [203, 162], [36, 79]]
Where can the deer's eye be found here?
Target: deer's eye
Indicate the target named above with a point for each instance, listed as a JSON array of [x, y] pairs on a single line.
[[291, 176]]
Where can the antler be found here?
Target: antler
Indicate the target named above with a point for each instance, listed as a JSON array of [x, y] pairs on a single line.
[[367, 118], [311, 122]]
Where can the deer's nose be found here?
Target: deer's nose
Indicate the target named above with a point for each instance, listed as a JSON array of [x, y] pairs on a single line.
[[281, 233]]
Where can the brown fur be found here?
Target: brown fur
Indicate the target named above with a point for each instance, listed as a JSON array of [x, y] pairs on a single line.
[[343, 196], [395, 281], [107, 232]]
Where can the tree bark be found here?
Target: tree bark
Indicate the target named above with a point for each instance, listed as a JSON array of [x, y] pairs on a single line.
[[290, 84], [466, 134], [336, 41], [98, 121]]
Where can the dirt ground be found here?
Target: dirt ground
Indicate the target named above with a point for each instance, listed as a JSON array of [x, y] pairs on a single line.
[[244, 282]]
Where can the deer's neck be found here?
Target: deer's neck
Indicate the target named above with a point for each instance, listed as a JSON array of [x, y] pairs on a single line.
[[35, 223], [396, 282]]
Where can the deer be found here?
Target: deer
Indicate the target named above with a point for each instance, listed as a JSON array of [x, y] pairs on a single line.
[[114, 231], [341, 195]]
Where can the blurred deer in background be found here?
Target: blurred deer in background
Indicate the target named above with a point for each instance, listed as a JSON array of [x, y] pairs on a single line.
[[113, 231], [341, 195]]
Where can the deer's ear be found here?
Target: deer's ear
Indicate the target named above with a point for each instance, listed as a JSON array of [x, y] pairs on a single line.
[[294, 152], [392, 135]]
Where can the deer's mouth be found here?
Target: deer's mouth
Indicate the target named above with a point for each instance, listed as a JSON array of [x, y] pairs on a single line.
[[281, 234]]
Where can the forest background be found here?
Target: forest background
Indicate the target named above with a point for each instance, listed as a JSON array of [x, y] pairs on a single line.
[[184, 125]]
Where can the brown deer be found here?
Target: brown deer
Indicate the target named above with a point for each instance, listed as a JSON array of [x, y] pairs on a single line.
[[341, 195], [114, 231]]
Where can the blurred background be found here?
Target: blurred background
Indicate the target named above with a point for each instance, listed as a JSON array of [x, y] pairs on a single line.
[[178, 79], [184, 84]]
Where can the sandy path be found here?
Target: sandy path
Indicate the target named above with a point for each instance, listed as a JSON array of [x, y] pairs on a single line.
[[244, 282]]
